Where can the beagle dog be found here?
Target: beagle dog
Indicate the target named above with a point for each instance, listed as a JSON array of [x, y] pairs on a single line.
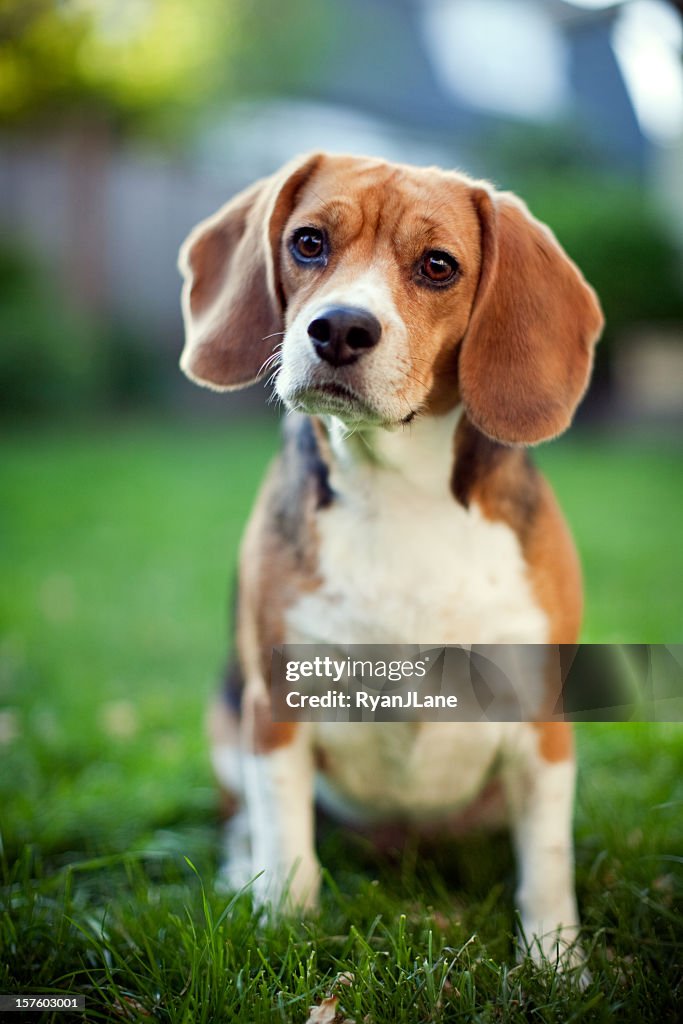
[[421, 329]]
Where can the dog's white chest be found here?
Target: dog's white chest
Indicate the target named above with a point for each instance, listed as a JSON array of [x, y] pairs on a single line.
[[402, 562]]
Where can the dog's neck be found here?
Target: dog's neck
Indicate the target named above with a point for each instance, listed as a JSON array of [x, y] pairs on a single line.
[[421, 453]]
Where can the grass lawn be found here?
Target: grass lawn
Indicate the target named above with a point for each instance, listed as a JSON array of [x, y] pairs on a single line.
[[118, 547]]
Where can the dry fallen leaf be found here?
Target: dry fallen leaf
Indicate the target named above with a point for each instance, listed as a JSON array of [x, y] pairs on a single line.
[[326, 1013], [344, 978], [129, 1008]]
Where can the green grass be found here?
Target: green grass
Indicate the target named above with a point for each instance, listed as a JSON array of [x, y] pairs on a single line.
[[118, 548]]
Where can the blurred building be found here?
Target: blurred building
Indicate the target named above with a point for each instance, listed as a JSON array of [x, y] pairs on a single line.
[[444, 78]]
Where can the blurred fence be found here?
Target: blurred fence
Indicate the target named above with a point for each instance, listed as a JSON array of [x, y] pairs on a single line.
[[106, 222]]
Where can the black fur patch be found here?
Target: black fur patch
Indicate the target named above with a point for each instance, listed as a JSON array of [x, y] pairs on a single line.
[[302, 471], [312, 464], [233, 684], [508, 474]]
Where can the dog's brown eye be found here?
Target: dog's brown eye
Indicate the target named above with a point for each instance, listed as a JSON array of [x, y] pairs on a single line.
[[438, 267], [308, 244]]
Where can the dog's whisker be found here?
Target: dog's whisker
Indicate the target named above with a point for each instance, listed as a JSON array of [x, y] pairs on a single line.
[[267, 363], [270, 383], [275, 358], [274, 355]]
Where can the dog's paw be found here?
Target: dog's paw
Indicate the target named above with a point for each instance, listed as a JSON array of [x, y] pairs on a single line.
[[290, 893], [557, 948]]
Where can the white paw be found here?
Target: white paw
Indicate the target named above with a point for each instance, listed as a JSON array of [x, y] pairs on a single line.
[[557, 947], [294, 891]]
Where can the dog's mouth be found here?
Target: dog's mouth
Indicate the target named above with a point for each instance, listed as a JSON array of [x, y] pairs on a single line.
[[332, 397], [328, 396]]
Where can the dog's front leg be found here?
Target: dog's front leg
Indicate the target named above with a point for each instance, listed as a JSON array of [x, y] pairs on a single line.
[[540, 778], [278, 782]]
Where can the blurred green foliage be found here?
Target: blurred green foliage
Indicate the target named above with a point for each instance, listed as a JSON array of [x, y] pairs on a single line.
[[124, 61], [620, 241], [55, 359], [608, 222], [150, 65], [48, 359]]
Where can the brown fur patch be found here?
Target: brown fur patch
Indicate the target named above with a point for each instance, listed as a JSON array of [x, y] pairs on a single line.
[[233, 298], [502, 480], [228, 804], [267, 734], [527, 354], [555, 740], [554, 569]]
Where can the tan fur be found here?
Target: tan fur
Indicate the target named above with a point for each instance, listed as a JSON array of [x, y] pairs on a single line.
[[556, 741], [273, 574], [232, 296], [528, 352], [554, 569]]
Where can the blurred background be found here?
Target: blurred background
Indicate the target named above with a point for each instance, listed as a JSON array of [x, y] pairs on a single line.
[[124, 489], [123, 122]]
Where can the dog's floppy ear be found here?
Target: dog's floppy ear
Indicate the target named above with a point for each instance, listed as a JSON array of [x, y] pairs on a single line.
[[232, 301], [527, 354]]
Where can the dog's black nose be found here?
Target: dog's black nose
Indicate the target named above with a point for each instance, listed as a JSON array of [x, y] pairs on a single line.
[[341, 335]]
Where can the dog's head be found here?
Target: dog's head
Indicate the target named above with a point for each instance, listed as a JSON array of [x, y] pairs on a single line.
[[377, 291]]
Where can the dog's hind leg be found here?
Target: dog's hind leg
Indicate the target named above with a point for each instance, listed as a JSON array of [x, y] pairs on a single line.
[[226, 758]]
